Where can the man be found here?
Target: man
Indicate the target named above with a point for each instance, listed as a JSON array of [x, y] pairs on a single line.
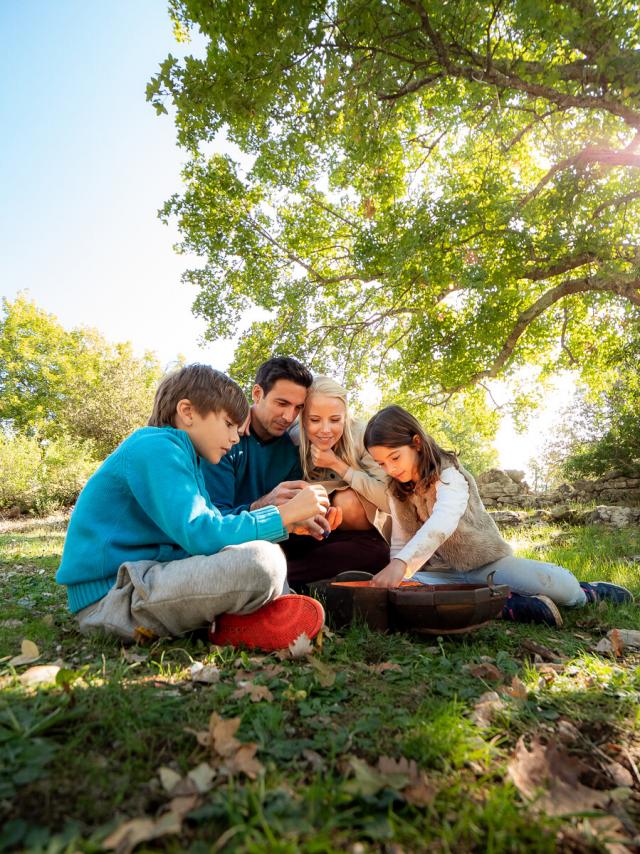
[[264, 469]]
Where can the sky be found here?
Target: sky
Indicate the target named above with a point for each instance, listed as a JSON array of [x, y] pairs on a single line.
[[85, 165]]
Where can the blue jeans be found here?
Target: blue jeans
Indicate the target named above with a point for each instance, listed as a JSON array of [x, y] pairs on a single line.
[[526, 576]]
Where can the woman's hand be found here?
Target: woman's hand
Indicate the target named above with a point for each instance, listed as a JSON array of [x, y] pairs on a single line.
[[326, 459], [391, 576]]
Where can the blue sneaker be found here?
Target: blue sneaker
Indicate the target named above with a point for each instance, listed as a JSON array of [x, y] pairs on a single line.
[[531, 609], [604, 591]]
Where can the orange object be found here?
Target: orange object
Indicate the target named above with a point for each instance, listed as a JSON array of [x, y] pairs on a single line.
[[274, 626]]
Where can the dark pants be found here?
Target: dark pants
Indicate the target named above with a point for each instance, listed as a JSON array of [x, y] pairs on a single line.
[[312, 560]]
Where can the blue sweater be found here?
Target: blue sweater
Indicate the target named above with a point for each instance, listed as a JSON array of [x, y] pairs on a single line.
[[148, 501], [250, 470]]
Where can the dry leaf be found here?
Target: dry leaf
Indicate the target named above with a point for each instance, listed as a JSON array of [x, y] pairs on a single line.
[[550, 775], [183, 804], [615, 638], [369, 208], [29, 654], [202, 777], [384, 667], [255, 692], [39, 675], [487, 671], [169, 778], [629, 637], [486, 707], [619, 774], [203, 737], [206, 673], [517, 689], [244, 762], [324, 674], [314, 759], [222, 734], [301, 647], [609, 831], [137, 830], [134, 657], [142, 635], [402, 774], [567, 732]]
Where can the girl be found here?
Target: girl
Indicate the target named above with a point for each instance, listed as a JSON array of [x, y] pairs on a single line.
[[332, 453], [442, 534]]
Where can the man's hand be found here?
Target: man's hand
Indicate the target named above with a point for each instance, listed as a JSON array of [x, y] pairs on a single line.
[[280, 494], [391, 576]]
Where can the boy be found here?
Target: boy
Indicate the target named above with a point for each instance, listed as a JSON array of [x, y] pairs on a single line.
[[147, 549]]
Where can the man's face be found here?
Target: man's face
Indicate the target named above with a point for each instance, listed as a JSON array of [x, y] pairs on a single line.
[[276, 411]]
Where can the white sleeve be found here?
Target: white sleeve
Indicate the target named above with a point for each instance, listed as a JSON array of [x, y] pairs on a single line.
[[452, 497]]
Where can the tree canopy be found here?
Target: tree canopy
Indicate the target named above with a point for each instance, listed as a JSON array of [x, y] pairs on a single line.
[[430, 193], [55, 382]]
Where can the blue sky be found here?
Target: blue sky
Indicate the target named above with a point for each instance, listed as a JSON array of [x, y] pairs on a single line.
[[85, 165]]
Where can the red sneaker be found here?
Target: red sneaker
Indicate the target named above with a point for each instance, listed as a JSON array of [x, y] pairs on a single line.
[[274, 626]]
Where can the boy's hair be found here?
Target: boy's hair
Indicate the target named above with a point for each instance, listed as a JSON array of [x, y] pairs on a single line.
[[282, 368], [394, 427], [207, 389]]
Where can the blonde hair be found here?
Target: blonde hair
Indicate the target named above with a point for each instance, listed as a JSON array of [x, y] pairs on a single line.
[[344, 448]]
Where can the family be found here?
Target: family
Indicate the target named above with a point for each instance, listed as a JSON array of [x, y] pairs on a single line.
[[207, 515]]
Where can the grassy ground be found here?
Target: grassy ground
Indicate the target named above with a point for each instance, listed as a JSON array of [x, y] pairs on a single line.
[[81, 756]]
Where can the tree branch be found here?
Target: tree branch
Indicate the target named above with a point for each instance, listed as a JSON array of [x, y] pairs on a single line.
[[621, 287]]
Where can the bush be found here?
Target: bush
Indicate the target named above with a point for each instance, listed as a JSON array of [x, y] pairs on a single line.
[[39, 477]]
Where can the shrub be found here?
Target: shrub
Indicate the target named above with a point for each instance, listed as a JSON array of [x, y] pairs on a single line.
[[38, 477]]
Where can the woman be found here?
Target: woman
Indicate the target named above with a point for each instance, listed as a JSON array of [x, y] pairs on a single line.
[[332, 453], [442, 534]]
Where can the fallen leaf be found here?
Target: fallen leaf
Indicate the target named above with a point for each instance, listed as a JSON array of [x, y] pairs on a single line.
[[615, 638], [629, 637], [402, 774], [125, 838], [142, 635], [619, 774], [314, 759], [206, 673], [609, 831], [488, 704], [183, 804], [202, 777], [244, 762], [169, 778], [540, 649], [567, 732], [30, 653], [324, 674], [39, 675], [548, 775], [202, 736], [384, 667], [134, 657], [222, 734], [517, 689], [255, 692], [301, 647], [367, 781], [487, 671]]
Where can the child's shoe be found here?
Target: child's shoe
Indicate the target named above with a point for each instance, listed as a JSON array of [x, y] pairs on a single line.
[[604, 591], [274, 626], [531, 609]]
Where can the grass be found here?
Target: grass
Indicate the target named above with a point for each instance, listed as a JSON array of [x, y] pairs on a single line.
[[80, 757]]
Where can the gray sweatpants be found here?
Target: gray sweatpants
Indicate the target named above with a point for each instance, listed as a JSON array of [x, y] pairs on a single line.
[[182, 595]]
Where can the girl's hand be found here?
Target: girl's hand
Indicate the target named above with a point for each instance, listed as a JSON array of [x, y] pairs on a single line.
[[326, 459], [391, 576]]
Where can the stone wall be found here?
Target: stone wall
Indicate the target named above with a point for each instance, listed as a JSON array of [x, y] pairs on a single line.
[[509, 488]]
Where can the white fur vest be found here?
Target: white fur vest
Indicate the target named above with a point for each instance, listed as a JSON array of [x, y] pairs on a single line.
[[475, 542]]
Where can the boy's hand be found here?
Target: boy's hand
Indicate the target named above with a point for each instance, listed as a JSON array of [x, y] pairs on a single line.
[[391, 576], [320, 526], [280, 494]]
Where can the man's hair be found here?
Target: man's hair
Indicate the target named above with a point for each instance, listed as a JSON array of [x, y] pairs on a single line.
[[282, 368], [207, 389]]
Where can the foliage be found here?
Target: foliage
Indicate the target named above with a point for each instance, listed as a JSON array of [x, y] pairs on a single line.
[[55, 381], [427, 193], [41, 476], [600, 435]]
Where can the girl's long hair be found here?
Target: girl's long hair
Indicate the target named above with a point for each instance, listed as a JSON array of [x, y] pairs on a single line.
[[344, 448], [394, 427]]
